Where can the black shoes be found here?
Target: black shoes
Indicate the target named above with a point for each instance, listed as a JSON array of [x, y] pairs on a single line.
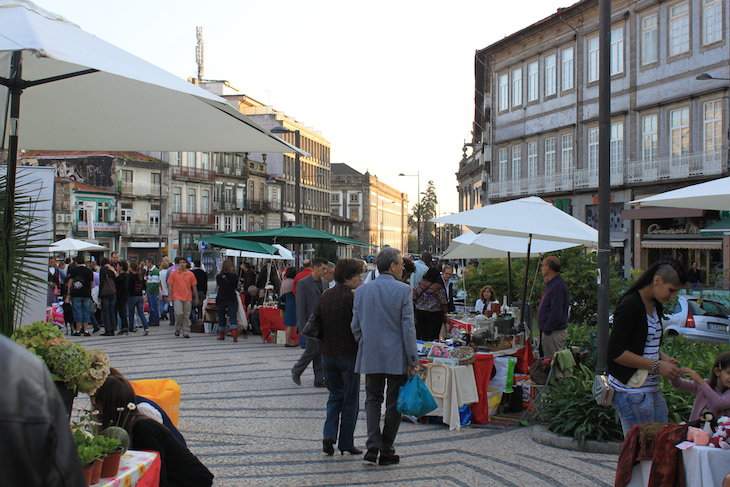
[[108, 334], [388, 459], [352, 451], [320, 384], [297, 379], [371, 455], [87, 334], [123, 332], [328, 445]]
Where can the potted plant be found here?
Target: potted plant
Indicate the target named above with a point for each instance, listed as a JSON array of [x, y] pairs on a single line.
[[112, 450], [90, 455], [74, 368]]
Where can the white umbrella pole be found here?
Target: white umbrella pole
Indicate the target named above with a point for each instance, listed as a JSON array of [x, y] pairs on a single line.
[[524, 290]]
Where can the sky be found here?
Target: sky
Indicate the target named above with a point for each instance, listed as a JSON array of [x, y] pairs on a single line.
[[390, 84]]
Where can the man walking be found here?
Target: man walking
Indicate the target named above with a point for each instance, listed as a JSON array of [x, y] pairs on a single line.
[[552, 313], [80, 280], [384, 327], [309, 290], [183, 291], [201, 277], [153, 291]]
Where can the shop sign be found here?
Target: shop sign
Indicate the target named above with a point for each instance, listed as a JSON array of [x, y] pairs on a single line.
[[689, 228]]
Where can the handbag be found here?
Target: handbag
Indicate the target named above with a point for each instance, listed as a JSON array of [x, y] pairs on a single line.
[[313, 328], [602, 390], [109, 288], [414, 398]]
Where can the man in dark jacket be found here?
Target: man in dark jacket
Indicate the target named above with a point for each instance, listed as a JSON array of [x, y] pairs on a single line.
[[37, 448], [201, 277], [552, 314], [448, 285], [80, 281], [309, 290]]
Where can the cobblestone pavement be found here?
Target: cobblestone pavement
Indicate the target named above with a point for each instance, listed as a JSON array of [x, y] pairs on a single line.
[[251, 425]]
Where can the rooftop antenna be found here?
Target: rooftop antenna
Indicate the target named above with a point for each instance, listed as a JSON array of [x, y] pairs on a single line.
[[199, 52]]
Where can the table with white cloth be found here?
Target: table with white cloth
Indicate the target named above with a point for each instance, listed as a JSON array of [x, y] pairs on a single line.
[[460, 389], [703, 466]]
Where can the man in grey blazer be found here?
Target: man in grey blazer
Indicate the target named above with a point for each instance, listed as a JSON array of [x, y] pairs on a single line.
[[309, 290], [384, 327]]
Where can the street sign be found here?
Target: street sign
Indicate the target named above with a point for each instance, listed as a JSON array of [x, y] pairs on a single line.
[[201, 246]]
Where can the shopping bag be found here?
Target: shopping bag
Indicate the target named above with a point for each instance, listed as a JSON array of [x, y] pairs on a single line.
[[414, 398]]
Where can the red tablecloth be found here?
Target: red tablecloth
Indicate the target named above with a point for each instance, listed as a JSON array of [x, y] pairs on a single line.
[[271, 320], [483, 366]]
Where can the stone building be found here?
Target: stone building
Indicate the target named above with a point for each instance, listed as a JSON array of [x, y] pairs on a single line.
[[535, 128]]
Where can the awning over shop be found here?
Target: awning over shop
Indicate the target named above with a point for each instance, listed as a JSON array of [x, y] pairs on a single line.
[[682, 244], [717, 229], [659, 213], [146, 245]]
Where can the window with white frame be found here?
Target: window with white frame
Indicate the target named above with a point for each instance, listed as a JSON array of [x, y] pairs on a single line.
[[533, 86], [616, 145], [126, 215], [617, 51], [205, 201], [502, 164], [354, 198], [679, 29], [712, 129], [551, 80], [593, 59], [516, 162], [650, 137], [550, 156], [176, 158], [711, 21], [228, 223], [503, 92], [190, 159], [176, 200], [335, 198], [205, 160], [679, 132], [567, 153], [239, 223], [649, 39], [567, 68], [531, 159], [218, 222], [155, 218], [102, 211], [593, 149], [191, 201], [517, 87]]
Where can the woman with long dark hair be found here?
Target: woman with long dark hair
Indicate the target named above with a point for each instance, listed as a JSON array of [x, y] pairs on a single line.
[[431, 305], [635, 362], [290, 305], [108, 296], [226, 300], [339, 352], [116, 402]]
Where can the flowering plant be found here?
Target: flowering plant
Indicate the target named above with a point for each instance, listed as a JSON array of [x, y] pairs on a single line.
[[68, 362]]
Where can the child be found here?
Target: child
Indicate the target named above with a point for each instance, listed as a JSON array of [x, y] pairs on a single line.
[[634, 345], [68, 313], [712, 394]]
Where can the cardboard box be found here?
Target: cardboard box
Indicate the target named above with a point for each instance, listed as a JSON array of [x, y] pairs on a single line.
[[280, 337]]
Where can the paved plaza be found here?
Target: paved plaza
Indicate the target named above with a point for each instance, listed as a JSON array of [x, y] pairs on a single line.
[[251, 425]]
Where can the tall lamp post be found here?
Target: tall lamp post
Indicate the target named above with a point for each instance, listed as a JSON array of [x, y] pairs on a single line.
[[418, 200], [297, 170]]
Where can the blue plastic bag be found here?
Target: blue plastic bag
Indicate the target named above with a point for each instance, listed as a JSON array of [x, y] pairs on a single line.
[[414, 398], [465, 415]]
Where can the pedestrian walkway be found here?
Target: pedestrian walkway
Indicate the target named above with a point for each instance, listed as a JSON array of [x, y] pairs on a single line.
[[251, 425]]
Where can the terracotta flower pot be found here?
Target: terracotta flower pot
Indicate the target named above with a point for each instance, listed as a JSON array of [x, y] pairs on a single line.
[[111, 465], [87, 474], [96, 471]]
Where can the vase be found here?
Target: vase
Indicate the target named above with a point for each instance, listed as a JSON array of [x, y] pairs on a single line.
[[96, 471], [87, 474], [111, 465], [67, 395]]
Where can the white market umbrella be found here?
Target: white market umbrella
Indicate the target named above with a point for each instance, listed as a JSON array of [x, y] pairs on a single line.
[[711, 195], [73, 245], [529, 218], [282, 255], [472, 245]]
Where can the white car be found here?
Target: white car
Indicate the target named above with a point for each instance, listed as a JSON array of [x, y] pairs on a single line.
[[701, 319]]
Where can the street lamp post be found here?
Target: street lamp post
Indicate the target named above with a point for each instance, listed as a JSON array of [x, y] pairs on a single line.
[[418, 198], [297, 170], [708, 76]]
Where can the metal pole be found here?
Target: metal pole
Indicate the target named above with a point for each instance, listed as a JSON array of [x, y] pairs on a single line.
[[420, 210], [604, 183], [528, 333], [297, 179]]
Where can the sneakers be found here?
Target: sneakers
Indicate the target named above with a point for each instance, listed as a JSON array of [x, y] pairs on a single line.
[[186, 336], [146, 332]]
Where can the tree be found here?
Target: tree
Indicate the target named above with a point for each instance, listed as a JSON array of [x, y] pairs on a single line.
[[422, 212]]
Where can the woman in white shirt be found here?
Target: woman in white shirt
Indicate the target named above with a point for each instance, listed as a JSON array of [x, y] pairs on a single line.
[[486, 298]]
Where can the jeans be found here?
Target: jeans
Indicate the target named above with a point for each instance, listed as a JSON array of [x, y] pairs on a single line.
[[232, 308], [122, 310], [163, 303], [109, 313], [182, 316], [640, 407], [136, 303], [82, 309], [344, 401], [375, 386], [153, 300]]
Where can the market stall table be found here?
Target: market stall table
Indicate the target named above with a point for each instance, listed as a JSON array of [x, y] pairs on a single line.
[[136, 469], [271, 320]]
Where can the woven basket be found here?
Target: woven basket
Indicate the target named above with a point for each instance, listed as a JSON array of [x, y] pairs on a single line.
[[464, 354]]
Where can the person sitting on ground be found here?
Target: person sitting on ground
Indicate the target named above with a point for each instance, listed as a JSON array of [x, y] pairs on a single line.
[[180, 468]]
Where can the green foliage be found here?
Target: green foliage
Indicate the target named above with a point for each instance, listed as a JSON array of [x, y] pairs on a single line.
[[23, 253], [107, 444], [422, 212], [88, 452], [119, 434], [569, 409], [326, 250], [69, 363], [412, 244], [37, 337]]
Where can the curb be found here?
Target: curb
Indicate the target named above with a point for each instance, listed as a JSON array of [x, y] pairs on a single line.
[[542, 435]]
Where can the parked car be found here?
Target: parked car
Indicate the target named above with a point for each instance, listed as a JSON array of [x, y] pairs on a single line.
[[701, 319]]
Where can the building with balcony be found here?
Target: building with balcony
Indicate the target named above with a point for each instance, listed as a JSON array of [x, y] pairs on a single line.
[[378, 211], [118, 199], [535, 129]]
